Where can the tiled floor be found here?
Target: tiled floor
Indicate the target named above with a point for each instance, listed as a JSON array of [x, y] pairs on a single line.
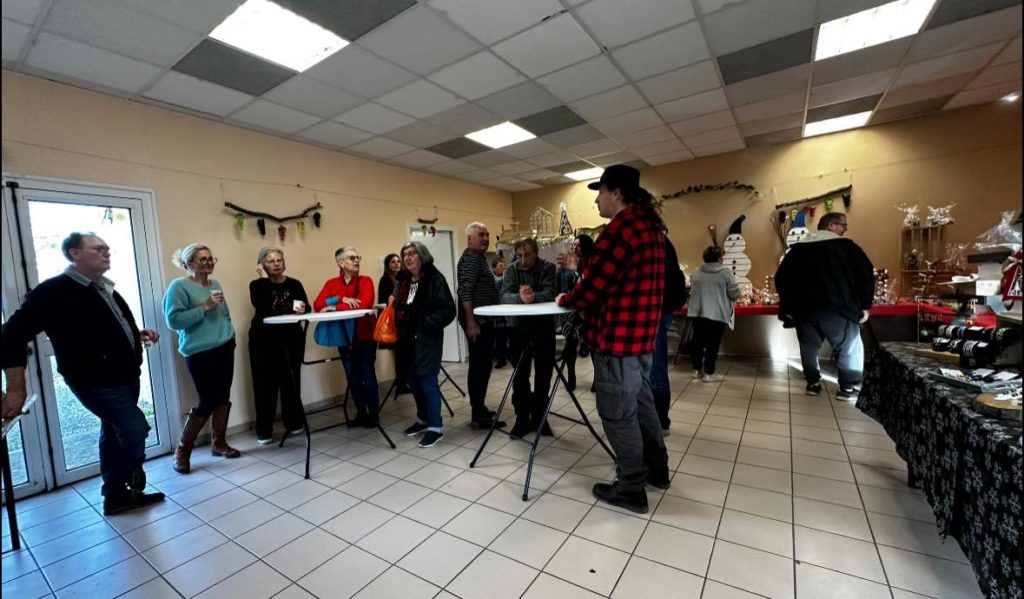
[[775, 494]]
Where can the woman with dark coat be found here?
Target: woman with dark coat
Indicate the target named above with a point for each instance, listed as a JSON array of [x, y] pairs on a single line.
[[423, 308], [582, 248]]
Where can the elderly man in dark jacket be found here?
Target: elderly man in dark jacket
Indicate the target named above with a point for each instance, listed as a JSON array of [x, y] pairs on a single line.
[[825, 286]]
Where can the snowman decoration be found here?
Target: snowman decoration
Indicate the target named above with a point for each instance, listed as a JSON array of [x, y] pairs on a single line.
[[797, 231], [734, 257]]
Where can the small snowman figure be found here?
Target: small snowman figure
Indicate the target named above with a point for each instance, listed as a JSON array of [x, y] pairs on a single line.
[[734, 256], [797, 231]]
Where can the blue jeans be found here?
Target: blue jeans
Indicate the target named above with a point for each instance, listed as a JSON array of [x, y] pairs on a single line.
[[428, 399], [122, 434], [358, 361], [844, 337], [659, 371]]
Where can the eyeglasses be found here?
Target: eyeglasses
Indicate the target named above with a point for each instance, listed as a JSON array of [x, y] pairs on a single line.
[[101, 249], [206, 260], [843, 225], [353, 258]]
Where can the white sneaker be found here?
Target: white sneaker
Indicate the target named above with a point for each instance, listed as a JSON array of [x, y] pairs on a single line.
[[266, 441], [297, 431], [713, 378], [697, 374]]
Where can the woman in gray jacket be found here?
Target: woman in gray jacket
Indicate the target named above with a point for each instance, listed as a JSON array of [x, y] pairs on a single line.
[[712, 293]]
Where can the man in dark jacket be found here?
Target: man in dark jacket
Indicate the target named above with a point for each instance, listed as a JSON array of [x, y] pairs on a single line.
[[674, 298], [531, 280], [99, 353], [825, 286]]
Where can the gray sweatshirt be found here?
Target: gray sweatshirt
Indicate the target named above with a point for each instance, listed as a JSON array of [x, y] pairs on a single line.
[[713, 289]]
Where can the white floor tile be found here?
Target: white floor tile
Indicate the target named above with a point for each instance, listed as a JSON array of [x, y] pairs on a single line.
[[200, 493], [847, 521], [223, 503], [766, 458], [478, 524], [530, 543], [306, 553], [897, 503], [611, 528], [763, 478], [344, 575], [914, 536], [397, 583], [182, 548], [812, 581], [778, 506], [757, 532], [157, 588], [681, 549], [643, 578], [274, 534], [246, 518], [556, 512], [297, 494], [764, 573], [162, 530], [111, 582], [469, 485], [508, 497], [827, 490], [324, 507], [395, 538], [399, 496], [492, 576], [588, 565], [30, 586], [549, 587], [706, 467], [717, 590], [80, 565], [690, 515], [440, 558], [836, 552], [256, 581], [215, 565], [357, 522], [822, 467], [928, 575], [68, 545]]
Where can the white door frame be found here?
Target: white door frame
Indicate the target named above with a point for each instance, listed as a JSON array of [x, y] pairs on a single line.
[[141, 202], [417, 228]]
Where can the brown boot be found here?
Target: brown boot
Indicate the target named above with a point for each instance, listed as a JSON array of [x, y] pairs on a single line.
[[218, 433], [183, 452]]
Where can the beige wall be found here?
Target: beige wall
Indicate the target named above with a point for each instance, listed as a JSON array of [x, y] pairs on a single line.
[[54, 130], [970, 156]]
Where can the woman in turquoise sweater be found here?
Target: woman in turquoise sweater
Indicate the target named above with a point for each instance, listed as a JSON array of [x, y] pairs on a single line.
[[194, 306]]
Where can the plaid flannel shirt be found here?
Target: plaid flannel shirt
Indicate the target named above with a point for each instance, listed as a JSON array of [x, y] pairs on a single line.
[[620, 293]]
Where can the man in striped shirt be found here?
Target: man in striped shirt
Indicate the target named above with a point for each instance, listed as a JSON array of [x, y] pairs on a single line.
[[619, 298]]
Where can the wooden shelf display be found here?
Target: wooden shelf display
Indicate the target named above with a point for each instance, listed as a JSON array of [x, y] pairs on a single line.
[[930, 245]]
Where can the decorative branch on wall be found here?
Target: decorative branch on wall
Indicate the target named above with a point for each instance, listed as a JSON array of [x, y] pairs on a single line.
[[277, 219], [828, 197], [714, 187]]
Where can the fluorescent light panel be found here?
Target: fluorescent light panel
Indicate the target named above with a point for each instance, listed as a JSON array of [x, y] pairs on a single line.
[[840, 123], [276, 34], [871, 27], [587, 173], [1011, 97], [499, 136]]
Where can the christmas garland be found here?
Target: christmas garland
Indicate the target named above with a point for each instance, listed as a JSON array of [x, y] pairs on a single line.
[[845, 192], [713, 187]]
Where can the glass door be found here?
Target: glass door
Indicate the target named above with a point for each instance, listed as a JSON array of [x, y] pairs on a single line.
[[46, 213]]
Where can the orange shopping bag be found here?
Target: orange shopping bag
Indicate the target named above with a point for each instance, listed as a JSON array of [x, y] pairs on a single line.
[[385, 331]]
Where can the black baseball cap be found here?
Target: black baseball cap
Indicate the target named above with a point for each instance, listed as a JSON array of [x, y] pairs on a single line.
[[618, 176]]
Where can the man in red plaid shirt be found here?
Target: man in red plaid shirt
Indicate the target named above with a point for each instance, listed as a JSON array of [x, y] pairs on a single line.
[[619, 298]]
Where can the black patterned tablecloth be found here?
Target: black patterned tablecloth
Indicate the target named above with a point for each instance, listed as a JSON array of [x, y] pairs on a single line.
[[968, 465]]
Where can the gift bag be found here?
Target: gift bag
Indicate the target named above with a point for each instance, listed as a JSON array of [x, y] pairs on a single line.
[[385, 331]]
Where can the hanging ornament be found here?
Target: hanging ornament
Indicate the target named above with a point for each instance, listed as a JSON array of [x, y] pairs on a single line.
[[108, 216], [847, 197], [810, 211], [316, 219], [261, 225], [240, 222], [829, 202], [120, 217], [564, 226], [301, 227], [424, 230], [793, 214], [433, 231], [281, 232]]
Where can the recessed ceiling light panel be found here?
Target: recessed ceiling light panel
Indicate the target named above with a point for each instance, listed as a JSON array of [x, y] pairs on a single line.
[[840, 123], [499, 136], [871, 27], [587, 173]]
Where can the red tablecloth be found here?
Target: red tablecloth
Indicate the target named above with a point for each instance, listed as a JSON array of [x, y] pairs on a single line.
[[900, 309]]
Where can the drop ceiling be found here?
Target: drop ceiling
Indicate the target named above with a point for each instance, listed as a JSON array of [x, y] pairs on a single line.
[[599, 82]]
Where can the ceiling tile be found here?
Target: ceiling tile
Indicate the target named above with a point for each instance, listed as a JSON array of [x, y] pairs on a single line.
[[521, 186], [669, 158], [89, 65], [23, 11], [309, 95], [373, 118], [574, 136], [709, 6], [829, 10], [708, 122], [666, 51], [15, 36], [490, 22], [643, 137], [756, 22], [556, 180], [638, 164], [615, 23], [645, 118], [865, 104], [224, 65], [946, 86], [774, 137], [459, 147], [488, 159], [351, 19], [547, 47], [950, 11], [420, 41], [769, 57], [201, 17], [610, 159], [681, 82], [552, 158], [600, 147], [717, 136], [549, 121], [584, 79], [719, 148], [195, 94], [693, 106], [609, 103], [420, 158], [420, 99], [1012, 53], [464, 119], [853, 64], [355, 70], [964, 35], [847, 89], [271, 116], [946, 66], [537, 175], [381, 148], [982, 95], [765, 109], [513, 168], [997, 74], [519, 101], [108, 25], [529, 148], [909, 110], [657, 149], [477, 76], [454, 167], [478, 176], [335, 134], [778, 123], [752, 90], [571, 167], [420, 134]]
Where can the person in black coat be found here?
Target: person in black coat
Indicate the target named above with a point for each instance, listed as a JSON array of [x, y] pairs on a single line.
[[424, 306], [674, 298]]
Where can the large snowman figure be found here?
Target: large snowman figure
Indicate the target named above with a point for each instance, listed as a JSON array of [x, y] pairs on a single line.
[[734, 256], [797, 231]]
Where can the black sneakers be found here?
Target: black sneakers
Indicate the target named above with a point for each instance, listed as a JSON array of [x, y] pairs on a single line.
[[523, 426], [415, 429], [430, 439], [137, 480], [813, 388], [612, 495], [484, 422], [659, 481], [848, 393], [130, 500]]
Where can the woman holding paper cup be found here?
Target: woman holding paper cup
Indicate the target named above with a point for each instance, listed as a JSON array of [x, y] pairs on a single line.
[[275, 351], [194, 306]]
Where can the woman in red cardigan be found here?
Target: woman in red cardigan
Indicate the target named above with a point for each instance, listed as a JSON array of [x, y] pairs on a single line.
[[352, 291]]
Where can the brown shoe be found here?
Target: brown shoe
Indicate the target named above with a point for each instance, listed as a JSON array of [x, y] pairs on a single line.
[[183, 452], [218, 433]]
